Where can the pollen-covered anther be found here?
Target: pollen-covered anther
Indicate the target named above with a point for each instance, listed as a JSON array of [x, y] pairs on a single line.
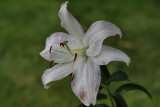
[[75, 57], [72, 77], [51, 63], [50, 49]]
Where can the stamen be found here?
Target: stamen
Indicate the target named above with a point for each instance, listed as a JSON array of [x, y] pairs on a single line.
[[75, 57], [65, 46], [50, 49], [72, 77], [51, 63]]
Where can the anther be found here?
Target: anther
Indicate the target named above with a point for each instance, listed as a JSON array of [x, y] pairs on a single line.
[[65, 42], [50, 49], [51, 63], [61, 44], [72, 77], [75, 57]]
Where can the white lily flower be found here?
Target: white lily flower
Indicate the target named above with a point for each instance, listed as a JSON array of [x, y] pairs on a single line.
[[81, 54]]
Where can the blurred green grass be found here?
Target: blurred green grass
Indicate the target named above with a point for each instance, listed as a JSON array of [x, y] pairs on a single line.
[[24, 26]]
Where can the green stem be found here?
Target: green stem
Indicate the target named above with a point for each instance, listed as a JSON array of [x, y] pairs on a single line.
[[110, 95]]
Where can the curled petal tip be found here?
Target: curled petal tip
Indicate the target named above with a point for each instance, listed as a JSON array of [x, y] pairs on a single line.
[[64, 4], [120, 35], [46, 86], [128, 62], [119, 32]]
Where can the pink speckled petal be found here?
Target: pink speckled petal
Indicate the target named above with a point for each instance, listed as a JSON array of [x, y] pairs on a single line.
[[86, 81]]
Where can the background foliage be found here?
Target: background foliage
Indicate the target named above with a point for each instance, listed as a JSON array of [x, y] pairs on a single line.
[[25, 24]]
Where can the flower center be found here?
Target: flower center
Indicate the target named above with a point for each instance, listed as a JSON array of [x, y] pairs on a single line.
[[66, 47], [67, 50]]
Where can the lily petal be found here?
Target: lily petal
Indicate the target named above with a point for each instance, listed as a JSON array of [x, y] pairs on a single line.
[[57, 72], [86, 81], [99, 31], [109, 54], [70, 23], [53, 44]]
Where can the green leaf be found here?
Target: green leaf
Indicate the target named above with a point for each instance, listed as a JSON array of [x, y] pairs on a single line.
[[101, 105], [104, 74], [118, 76], [101, 96], [119, 100], [130, 86], [100, 88]]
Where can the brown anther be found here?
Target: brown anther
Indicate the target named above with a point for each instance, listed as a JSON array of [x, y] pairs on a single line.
[[51, 63], [72, 77], [50, 49], [65, 42], [61, 44], [75, 57]]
